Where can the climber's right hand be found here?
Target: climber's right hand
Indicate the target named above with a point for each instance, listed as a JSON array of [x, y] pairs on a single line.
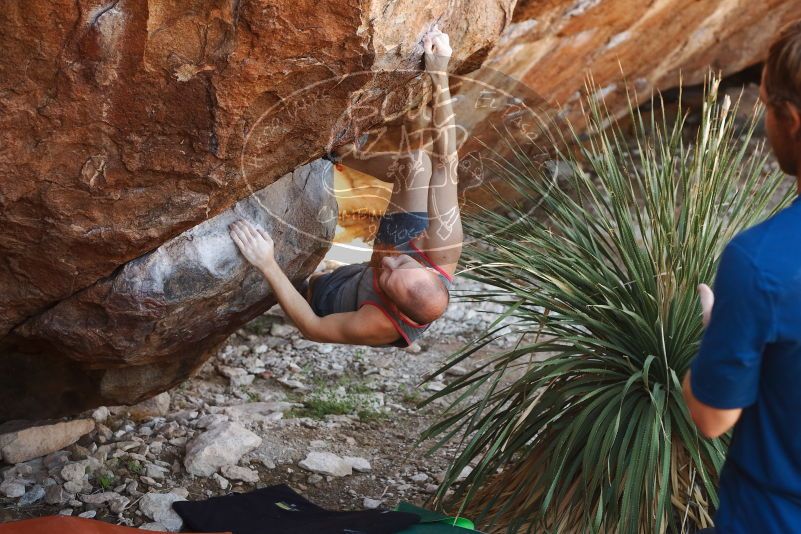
[[255, 244], [437, 51]]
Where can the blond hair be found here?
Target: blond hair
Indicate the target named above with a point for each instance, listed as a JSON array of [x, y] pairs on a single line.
[[783, 67]]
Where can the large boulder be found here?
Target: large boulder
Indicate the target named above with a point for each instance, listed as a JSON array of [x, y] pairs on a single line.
[[126, 125], [152, 322]]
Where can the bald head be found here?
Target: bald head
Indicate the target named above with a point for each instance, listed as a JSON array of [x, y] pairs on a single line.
[[425, 299]]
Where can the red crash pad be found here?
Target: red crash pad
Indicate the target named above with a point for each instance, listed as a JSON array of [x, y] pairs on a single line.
[[63, 524]]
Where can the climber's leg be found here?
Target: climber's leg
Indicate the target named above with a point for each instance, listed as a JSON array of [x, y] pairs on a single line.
[[406, 216], [409, 172]]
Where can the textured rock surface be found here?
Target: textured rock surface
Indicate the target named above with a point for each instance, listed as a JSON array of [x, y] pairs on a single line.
[[125, 123], [149, 325], [35, 441], [326, 463], [158, 506], [544, 56], [551, 45], [221, 445]]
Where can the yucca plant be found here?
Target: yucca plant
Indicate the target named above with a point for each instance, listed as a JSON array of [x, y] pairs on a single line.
[[581, 427]]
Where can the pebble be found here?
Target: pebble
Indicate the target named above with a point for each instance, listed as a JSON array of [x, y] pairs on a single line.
[[158, 507], [371, 504], [56, 459], [35, 494], [101, 414], [156, 472], [236, 375], [223, 444], [153, 526], [157, 406], [89, 514], [74, 487], [292, 383], [435, 386], [360, 465], [73, 472], [55, 494], [235, 472], [12, 490], [282, 330], [326, 463], [456, 370], [37, 441], [464, 473], [221, 481]]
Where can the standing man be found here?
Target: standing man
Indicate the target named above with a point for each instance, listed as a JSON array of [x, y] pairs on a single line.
[[392, 299], [747, 374]]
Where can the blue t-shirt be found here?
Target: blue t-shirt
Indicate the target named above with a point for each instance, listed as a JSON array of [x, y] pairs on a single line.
[[750, 358]]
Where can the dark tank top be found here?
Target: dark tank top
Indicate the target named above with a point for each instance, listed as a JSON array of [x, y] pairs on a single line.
[[350, 287]]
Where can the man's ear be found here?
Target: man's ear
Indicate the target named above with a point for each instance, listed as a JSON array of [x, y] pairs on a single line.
[[793, 119]]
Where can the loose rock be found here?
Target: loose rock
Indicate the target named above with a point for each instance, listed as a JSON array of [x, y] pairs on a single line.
[[55, 495], [371, 504], [158, 507], [235, 472], [157, 406], [101, 414], [12, 489], [326, 463], [360, 465], [35, 494], [221, 445], [33, 442]]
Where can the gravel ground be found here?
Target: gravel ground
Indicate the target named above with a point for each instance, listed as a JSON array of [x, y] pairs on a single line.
[[249, 418]]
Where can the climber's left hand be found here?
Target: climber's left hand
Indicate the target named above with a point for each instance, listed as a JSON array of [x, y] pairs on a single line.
[[255, 244], [436, 52]]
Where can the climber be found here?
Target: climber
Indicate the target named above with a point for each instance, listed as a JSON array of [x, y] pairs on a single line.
[[394, 297], [745, 376]]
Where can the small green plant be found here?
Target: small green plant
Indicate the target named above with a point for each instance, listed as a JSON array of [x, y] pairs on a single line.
[[260, 326], [319, 408], [251, 395], [370, 416], [106, 480], [581, 426], [412, 396], [347, 396], [135, 466]]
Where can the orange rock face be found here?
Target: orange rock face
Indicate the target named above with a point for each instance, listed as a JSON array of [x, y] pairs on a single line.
[[125, 124], [552, 45]]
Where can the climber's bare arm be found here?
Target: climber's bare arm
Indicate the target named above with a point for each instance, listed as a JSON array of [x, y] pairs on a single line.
[[367, 326], [443, 239]]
